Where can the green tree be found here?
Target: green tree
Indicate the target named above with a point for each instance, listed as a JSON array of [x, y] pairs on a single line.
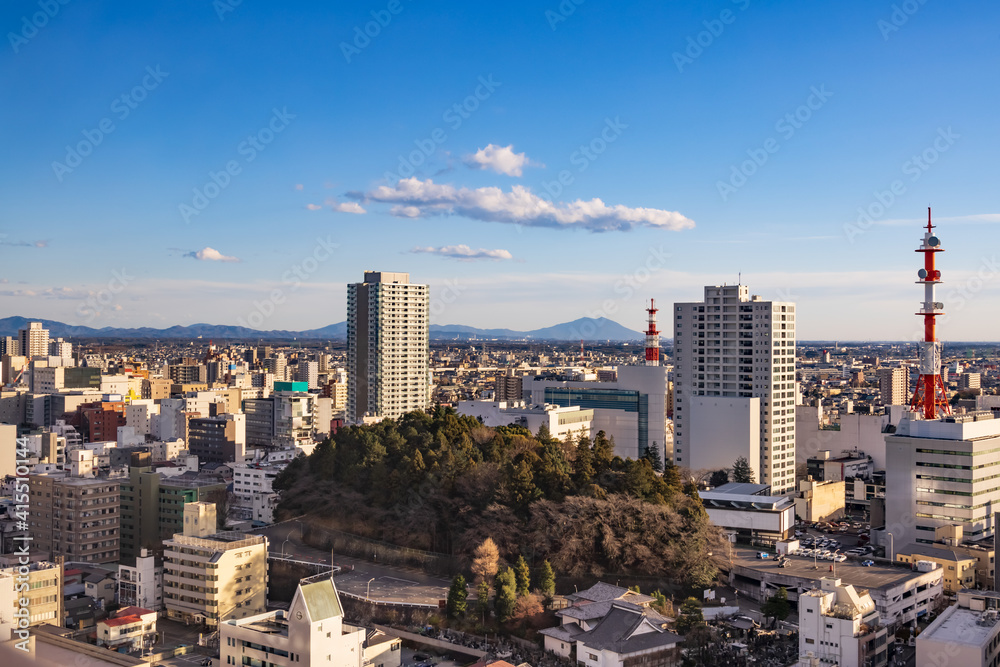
[[672, 479], [653, 456], [604, 453], [506, 585], [457, 596], [583, 465], [660, 601], [483, 598], [742, 472], [690, 616], [776, 606], [718, 478], [523, 575], [547, 581]]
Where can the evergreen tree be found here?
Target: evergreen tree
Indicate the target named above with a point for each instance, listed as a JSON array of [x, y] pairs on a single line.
[[506, 585], [483, 598], [672, 478], [583, 465], [718, 478], [690, 616], [547, 581], [777, 606], [604, 453], [742, 472], [523, 575], [457, 596], [653, 456]]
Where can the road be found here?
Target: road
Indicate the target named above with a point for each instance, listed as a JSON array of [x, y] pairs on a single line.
[[359, 578]]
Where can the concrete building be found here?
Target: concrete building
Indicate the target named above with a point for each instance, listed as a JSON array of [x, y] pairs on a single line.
[[735, 346], [308, 372], [894, 385], [561, 422], [969, 381], [509, 387], [388, 346], [728, 428], [632, 410], [141, 585], [825, 467], [140, 508], [819, 501], [219, 439], [75, 517], [958, 571], [851, 432], [43, 595], [901, 595], [177, 492], [312, 633], [966, 633], [840, 626], [745, 510], [211, 577], [33, 341], [250, 480], [932, 478], [294, 414]]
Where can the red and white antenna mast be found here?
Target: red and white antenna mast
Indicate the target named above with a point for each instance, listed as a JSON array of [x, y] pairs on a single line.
[[929, 395], [652, 337]]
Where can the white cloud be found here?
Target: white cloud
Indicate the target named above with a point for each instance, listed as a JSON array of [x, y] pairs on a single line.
[[346, 207], [414, 198], [501, 159], [464, 252], [298, 186], [207, 254], [313, 207]]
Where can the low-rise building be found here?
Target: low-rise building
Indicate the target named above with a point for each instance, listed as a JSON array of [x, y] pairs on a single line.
[[312, 633], [744, 510], [839, 625], [141, 585], [958, 571], [572, 421], [131, 629], [966, 633], [820, 501], [43, 594]]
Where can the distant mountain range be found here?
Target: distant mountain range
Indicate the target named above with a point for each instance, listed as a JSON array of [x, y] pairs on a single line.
[[585, 328]]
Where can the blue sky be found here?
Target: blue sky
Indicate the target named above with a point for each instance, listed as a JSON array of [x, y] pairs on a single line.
[[720, 138]]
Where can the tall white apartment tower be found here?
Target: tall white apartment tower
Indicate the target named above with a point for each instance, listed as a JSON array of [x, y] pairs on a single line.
[[34, 340], [388, 346], [734, 371]]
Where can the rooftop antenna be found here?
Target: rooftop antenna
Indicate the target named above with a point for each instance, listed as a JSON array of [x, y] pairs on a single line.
[[929, 395]]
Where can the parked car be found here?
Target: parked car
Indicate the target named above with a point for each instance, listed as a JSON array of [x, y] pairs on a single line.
[[840, 558], [761, 555], [868, 563]]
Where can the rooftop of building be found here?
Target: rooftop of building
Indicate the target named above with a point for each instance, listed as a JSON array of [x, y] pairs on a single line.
[[715, 499], [223, 541], [942, 551], [958, 625], [743, 488], [602, 592]]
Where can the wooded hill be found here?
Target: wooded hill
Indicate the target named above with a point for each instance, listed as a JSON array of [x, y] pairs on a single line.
[[443, 482]]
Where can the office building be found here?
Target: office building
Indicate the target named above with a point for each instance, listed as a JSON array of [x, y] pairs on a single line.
[[573, 422], [750, 512], [735, 348], [388, 346], [212, 577], [178, 492], [75, 517], [839, 625], [937, 474], [140, 508], [294, 414], [894, 385], [632, 409], [33, 341]]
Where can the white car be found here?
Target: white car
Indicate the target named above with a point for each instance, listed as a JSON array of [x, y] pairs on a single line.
[[840, 558]]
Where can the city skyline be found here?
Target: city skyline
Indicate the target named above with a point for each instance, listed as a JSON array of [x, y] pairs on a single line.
[[536, 166]]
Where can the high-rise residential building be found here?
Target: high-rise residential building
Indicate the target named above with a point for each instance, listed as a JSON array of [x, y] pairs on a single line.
[[894, 385], [277, 366], [213, 577], [969, 381], [60, 348], [735, 353], [510, 387], [75, 517], [839, 625], [34, 340], [388, 346], [938, 474], [308, 372], [10, 346]]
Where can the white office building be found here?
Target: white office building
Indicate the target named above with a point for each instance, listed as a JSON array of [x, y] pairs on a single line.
[[574, 421], [740, 348], [631, 409], [839, 625], [938, 473], [388, 346]]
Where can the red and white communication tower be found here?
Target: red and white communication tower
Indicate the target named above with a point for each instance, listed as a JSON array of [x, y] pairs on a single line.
[[652, 337], [929, 396]]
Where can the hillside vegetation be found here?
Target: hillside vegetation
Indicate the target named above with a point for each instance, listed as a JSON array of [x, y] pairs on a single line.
[[443, 482]]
